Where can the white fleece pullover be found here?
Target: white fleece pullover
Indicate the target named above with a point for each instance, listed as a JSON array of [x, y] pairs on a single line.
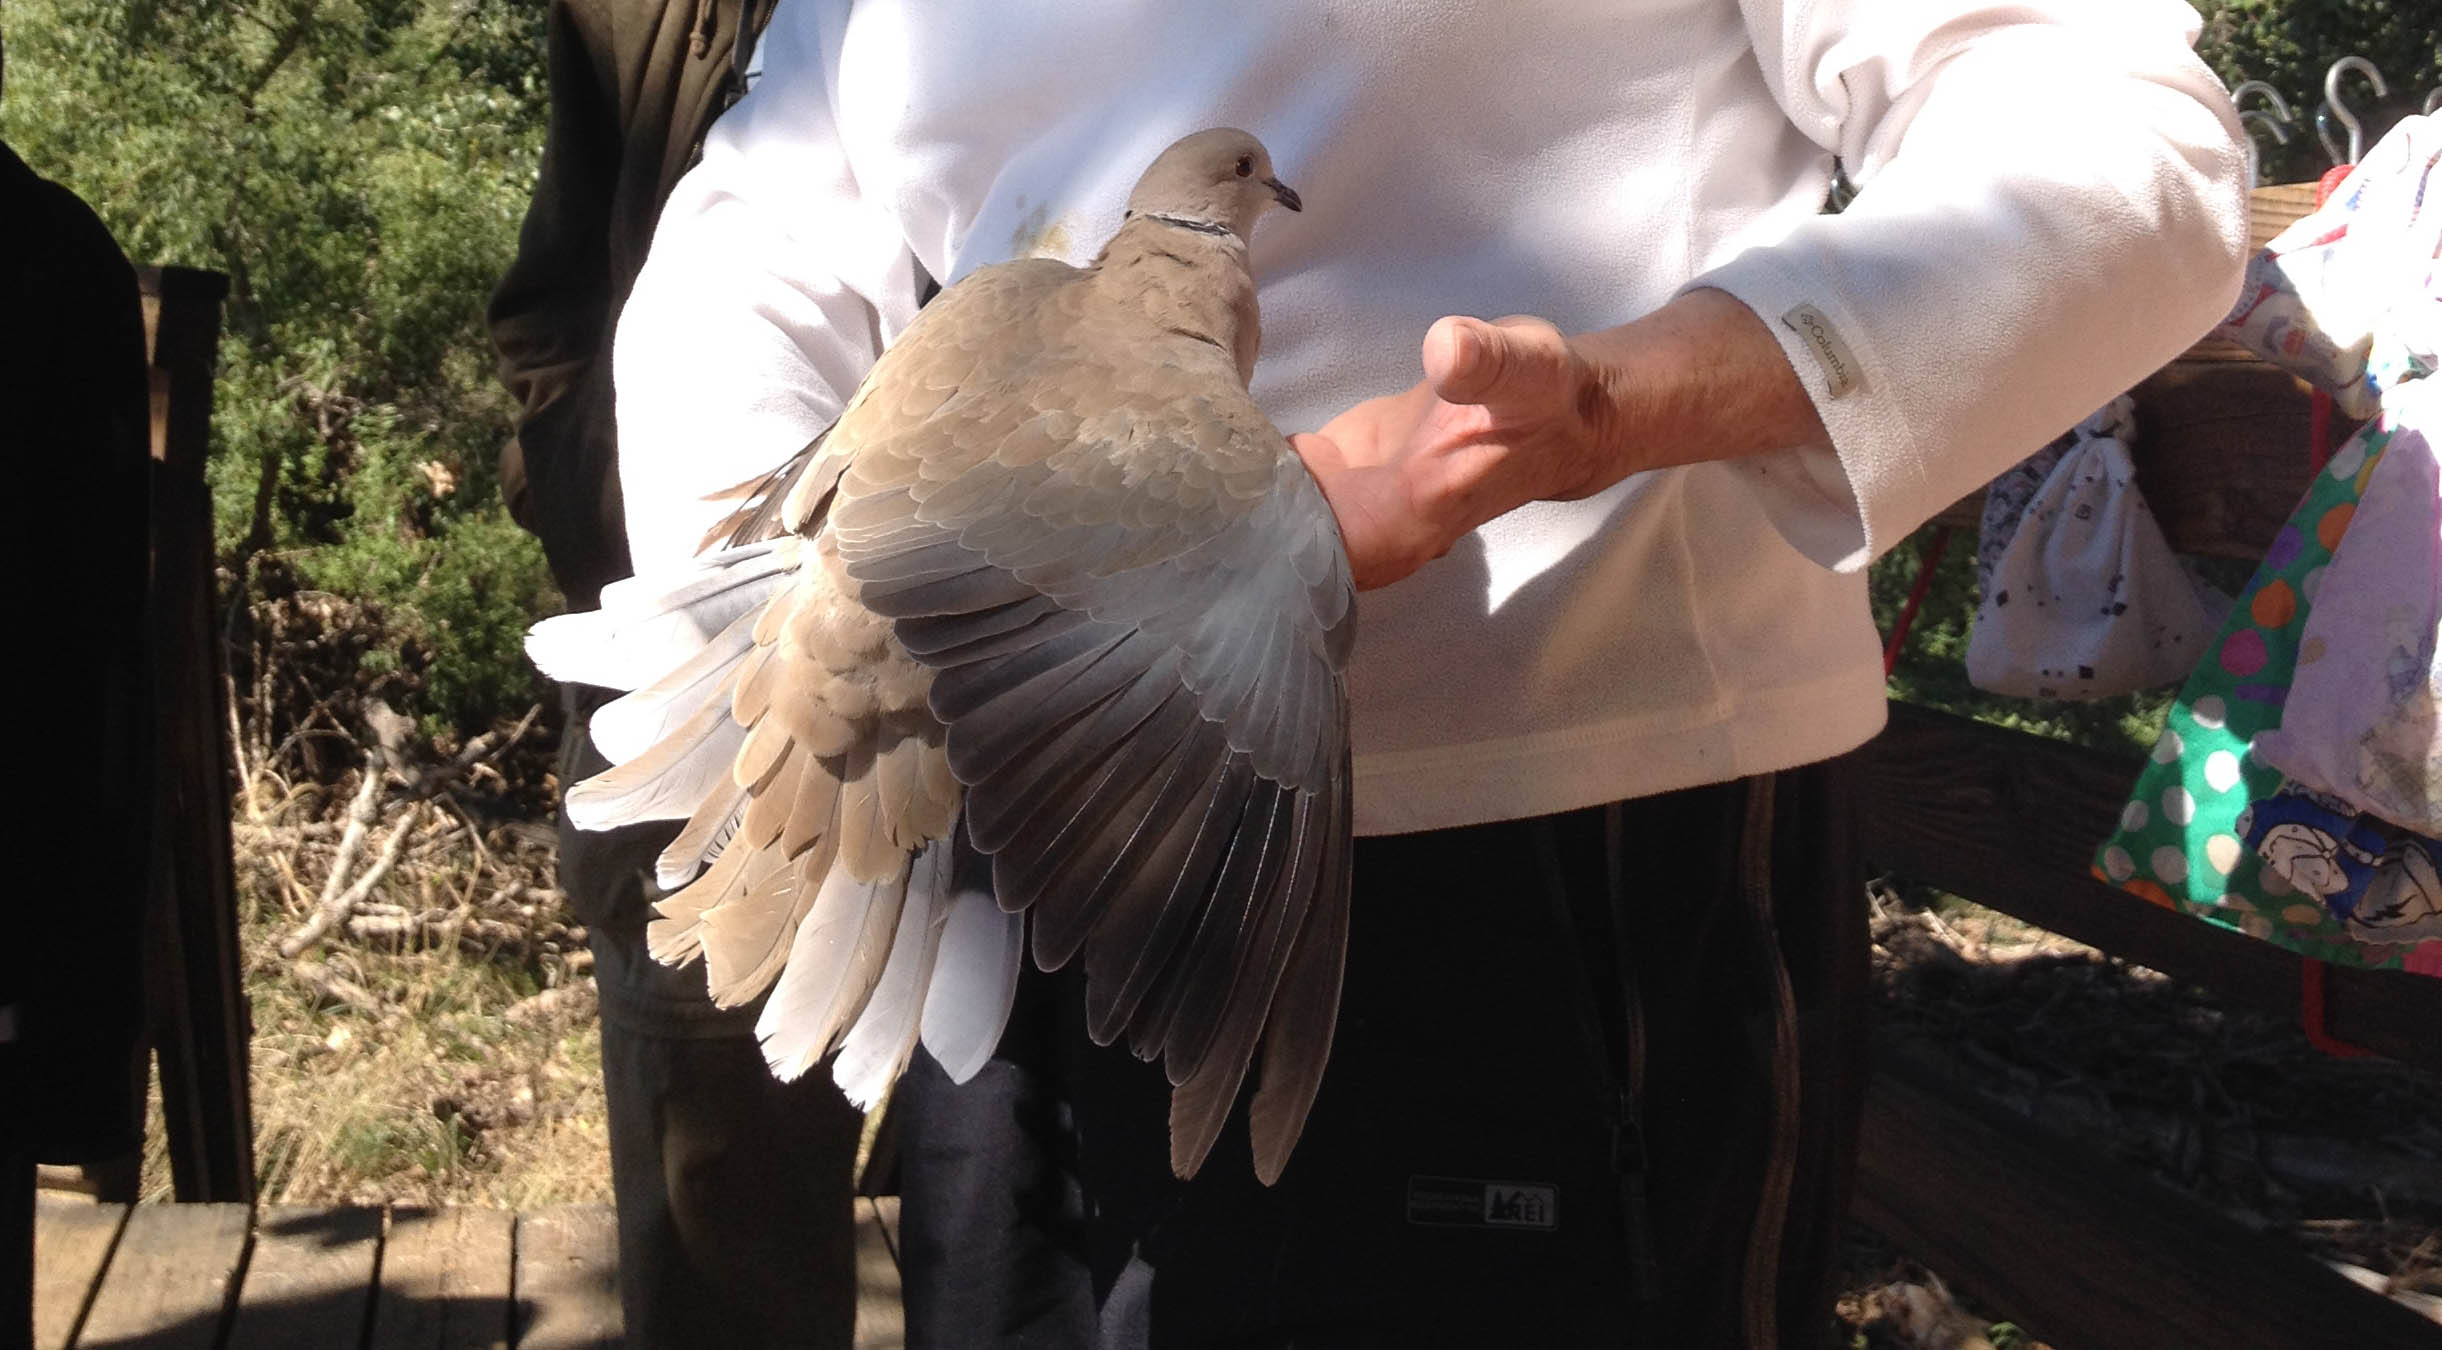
[[2052, 206]]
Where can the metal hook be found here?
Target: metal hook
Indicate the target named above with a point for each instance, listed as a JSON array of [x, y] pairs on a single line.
[[2280, 106], [2257, 117], [2340, 110], [2323, 133], [2277, 122]]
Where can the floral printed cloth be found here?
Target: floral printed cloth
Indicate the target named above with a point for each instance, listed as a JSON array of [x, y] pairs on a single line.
[[2363, 721], [2296, 790], [2183, 840]]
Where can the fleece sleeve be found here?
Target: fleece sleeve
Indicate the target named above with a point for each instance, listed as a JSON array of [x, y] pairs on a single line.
[[770, 289], [2052, 204]]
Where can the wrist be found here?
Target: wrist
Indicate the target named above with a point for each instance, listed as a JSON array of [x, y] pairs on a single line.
[[1701, 378]]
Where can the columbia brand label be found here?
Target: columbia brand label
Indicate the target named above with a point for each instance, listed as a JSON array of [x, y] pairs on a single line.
[[1840, 370], [1457, 1202]]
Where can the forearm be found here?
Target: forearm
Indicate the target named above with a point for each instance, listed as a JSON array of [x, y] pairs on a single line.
[[1699, 379]]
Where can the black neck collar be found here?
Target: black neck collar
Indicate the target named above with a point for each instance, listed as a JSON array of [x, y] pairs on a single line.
[[1187, 223]]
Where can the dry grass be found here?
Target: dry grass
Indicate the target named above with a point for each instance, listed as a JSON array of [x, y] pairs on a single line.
[[423, 1012], [475, 1078]]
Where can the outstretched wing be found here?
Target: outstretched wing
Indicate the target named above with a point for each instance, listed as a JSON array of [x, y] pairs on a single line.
[[1137, 609]]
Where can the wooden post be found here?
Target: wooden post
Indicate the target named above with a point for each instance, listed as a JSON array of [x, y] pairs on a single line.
[[198, 1006]]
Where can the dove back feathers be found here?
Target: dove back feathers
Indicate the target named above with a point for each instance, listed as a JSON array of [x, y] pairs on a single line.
[[1054, 626]]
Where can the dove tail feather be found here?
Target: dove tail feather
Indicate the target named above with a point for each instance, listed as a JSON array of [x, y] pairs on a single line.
[[648, 626], [700, 844], [975, 972], [666, 782], [629, 725], [679, 644], [877, 1048], [832, 967], [677, 936]]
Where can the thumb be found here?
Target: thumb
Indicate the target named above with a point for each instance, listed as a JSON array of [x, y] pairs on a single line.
[[1467, 360]]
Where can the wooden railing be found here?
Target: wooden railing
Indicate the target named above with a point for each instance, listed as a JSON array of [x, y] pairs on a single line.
[[2085, 1251]]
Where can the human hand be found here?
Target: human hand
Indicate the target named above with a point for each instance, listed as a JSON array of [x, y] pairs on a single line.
[[1514, 411], [1508, 412]]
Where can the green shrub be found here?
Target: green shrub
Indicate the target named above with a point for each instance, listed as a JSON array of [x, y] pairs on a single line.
[[358, 170]]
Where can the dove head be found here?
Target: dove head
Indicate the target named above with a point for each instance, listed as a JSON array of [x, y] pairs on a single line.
[[1219, 179]]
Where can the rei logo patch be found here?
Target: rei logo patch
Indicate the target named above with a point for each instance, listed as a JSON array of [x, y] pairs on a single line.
[[1467, 1203], [1841, 372]]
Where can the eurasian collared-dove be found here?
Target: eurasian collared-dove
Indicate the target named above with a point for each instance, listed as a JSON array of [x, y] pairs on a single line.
[[1051, 615]]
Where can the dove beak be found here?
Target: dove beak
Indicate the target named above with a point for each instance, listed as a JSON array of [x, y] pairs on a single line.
[[1284, 194]]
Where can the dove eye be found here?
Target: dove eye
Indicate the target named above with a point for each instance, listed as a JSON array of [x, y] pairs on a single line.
[[1246, 166]]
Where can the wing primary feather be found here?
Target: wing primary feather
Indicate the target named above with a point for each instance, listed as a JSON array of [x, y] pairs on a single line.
[[1238, 936], [931, 635], [1208, 1088], [1126, 795], [1131, 832], [1049, 783], [1133, 943], [1305, 1012], [1023, 678], [982, 588]]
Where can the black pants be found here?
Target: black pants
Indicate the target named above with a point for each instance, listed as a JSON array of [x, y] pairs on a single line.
[[1463, 1180], [735, 1219]]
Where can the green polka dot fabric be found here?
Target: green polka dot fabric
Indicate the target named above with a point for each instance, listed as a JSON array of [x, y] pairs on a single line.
[[2180, 844]]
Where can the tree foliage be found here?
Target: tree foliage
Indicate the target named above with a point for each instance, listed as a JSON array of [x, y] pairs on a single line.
[[2289, 44], [357, 168]]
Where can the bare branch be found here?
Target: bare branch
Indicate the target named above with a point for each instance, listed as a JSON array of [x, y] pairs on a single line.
[[336, 987], [338, 897]]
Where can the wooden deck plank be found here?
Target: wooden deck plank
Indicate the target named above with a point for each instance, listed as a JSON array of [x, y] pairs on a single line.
[[880, 1324], [2081, 1249], [445, 1280], [72, 1242], [309, 1283], [566, 1284], [169, 1280]]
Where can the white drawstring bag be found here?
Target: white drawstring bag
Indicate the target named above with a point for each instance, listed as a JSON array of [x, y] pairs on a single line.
[[2082, 596]]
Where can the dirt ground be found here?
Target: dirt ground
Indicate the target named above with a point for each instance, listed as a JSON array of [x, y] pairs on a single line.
[[2342, 1156]]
